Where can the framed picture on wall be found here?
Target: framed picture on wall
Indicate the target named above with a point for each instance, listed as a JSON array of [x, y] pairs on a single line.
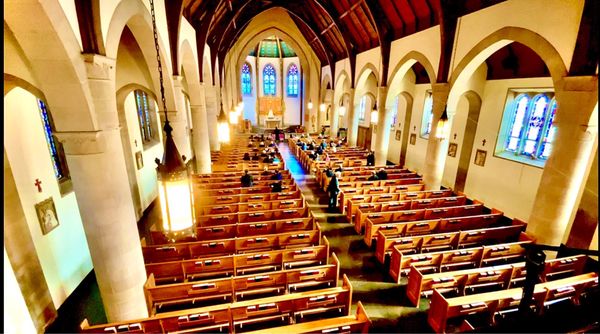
[[480, 156], [46, 212], [452, 149], [139, 160], [413, 138], [398, 135]]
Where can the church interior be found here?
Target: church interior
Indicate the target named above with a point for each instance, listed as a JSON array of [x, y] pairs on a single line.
[[301, 166]]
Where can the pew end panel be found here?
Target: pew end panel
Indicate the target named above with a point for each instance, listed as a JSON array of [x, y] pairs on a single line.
[[438, 311]]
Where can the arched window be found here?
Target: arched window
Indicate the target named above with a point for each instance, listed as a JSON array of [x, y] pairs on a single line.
[[530, 131], [292, 80], [146, 116], [246, 80], [395, 111], [269, 80], [427, 115], [57, 153], [363, 108]]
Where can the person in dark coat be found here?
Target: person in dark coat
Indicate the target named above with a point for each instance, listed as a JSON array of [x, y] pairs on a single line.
[[247, 179], [246, 156], [256, 157], [382, 174], [277, 133], [373, 177], [268, 159], [333, 189], [276, 187], [277, 176], [371, 159], [329, 171], [265, 172]]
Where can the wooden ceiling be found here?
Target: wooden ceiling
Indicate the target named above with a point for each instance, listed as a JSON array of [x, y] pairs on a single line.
[[335, 29]]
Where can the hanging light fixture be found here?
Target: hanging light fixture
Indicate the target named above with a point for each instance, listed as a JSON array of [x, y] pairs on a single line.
[[310, 105], [374, 114], [322, 107], [342, 109], [222, 126], [234, 115], [174, 186], [443, 126]]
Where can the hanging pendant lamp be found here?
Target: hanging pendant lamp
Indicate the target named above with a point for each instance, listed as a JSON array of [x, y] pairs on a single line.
[[443, 126]]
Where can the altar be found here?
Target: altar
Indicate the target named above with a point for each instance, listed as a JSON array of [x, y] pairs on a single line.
[[270, 112], [272, 123]]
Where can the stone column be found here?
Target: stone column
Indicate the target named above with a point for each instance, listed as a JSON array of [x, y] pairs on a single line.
[[179, 119], [201, 140], [334, 121], [564, 174], [383, 128], [97, 165], [435, 157], [352, 120], [212, 110]]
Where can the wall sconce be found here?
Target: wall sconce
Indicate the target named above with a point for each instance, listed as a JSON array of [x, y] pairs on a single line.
[[443, 126], [222, 126], [374, 114]]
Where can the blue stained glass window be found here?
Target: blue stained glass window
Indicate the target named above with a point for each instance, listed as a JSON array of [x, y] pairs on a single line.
[[550, 130], [535, 124], [269, 80], [292, 79], [246, 80], [395, 111], [143, 103], [517, 124], [427, 115], [56, 152], [362, 110]]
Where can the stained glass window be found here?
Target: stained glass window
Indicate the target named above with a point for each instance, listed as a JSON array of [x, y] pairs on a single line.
[[395, 111], [57, 153], [144, 109], [292, 79], [427, 115], [269, 80], [363, 108], [246, 80], [531, 131]]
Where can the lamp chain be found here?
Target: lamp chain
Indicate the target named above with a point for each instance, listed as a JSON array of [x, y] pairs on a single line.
[[160, 72]]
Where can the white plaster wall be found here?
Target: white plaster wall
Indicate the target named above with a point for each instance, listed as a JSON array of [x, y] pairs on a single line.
[[415, 155], [146, 177], [340, 66], [63, 253], [292, 104], [69, 9], [459, 121], [504, 184], [426, 42], [555, 20], [15, 61], [16, 315], [373, 57], [250, 100]]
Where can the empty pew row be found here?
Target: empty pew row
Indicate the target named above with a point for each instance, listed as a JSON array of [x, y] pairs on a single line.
[[470, 281], [238, 184], [358, 323], [348, 192], [498, 303], [205, 233], [475, 257], [253, 216], [238, 264], [214, 209], [410, 227], [238, 288], [409, 210], [227, 197], [198, 192], [450, 240], [201, 249], [361, 201], [239, 316]]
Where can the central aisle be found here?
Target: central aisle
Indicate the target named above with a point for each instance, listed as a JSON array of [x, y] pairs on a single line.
[[371, 284]]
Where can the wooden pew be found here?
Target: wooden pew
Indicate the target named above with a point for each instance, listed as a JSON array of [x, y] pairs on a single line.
[[349, 192], [228, 317], [358, 323], [224, 199], [416, 227], [232, 289], [444, 309], [449, 240], [248, 206], [449, 260], [253, 216], [202, 249], [241, 191], [497, 277]]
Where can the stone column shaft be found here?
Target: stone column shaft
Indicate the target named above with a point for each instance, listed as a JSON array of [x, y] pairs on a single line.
[[352, 132], [564, 173], [383, 128], [435, 157], [212, 111], [179, 120], [201, 140]]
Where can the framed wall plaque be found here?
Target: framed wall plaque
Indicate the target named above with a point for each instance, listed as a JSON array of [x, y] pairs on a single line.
[[413, 138], [480, 156], [139, 160], [46, 212], [452, 149], [398, 135]]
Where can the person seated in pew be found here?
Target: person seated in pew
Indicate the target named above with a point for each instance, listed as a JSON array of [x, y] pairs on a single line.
[[323, 144], [371, 159], [277, 175], [311, 146], [326, 158], [268, 159], [247, 179], [303, 146], [264, 153], [265, 171], [333, 189], [246, 156], [328, 171], [334, 148], [339, 169], [319, 150], [382, 174], [255, 157], [277, 187], [251, 144], [373, 177], [272, 144], [261, 144]]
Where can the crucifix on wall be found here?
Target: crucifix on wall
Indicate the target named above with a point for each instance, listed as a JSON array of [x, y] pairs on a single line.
[[38, 184]]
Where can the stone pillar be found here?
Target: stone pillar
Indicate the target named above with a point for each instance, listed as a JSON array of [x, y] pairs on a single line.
[[179, 119], [201, 140], [334, 121], [383, 128], [212, 110], [97, 165], [435, 157], [352, 120], [564, 174]]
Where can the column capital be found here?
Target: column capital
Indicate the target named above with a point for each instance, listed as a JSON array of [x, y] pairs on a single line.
[[440, 89], [99, 66], [178, 81], [82, 142], [580, 84]]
